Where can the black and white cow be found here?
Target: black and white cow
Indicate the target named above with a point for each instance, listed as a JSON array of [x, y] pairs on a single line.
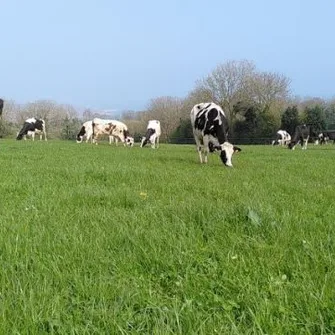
[[283, 138], [153, 134], [113, 128], [31, 127], [326, 136], [301, 135], [210, 130]]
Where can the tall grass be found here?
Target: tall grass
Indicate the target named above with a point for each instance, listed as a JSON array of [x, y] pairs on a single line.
[[115, 240]]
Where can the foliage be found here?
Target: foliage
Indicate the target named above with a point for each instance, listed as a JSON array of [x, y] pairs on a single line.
[[233, 82], [70, 128], [256, 103], [183, 133], [7, 129], [257, 123], [330, 115], [315, 116], [290, 119], [168, 111]]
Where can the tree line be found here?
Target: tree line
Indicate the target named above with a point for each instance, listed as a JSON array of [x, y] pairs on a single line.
[[257, 104]]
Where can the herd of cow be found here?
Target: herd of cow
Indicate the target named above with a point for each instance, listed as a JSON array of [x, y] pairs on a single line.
[[303, 133], [92, 130], [210, 130]]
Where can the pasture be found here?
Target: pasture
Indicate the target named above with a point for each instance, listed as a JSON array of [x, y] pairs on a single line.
[[115, 240]]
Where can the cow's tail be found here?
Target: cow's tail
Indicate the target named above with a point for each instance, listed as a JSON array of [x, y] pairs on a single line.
[[93, 134], [125, 134]]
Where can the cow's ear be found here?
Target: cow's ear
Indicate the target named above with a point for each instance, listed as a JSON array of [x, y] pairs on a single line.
[[237, 149]]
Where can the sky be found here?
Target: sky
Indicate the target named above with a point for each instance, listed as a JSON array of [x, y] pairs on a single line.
[[118, 55]]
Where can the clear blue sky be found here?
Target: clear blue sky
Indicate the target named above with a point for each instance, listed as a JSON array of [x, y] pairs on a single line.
[[108, 54]]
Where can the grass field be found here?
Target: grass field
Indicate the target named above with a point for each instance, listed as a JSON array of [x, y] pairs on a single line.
[[114, 240]]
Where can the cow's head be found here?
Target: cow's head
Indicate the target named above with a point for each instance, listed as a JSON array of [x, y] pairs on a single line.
[[144, 141], [129, 141], [227, 151], [291, 146]]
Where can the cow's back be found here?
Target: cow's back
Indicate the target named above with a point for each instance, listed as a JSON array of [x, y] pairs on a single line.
[[155, 125], [209, 119]]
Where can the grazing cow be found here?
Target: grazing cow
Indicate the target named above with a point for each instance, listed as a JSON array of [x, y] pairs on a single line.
[[327, 136], [210, 130], [31, 127], [152, 135], [283, 138], [87, 131], [331, 136], [302, 134], [112, 128]]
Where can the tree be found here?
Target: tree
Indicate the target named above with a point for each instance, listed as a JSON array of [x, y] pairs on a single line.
[[290, 119], [239, 82], [183, 133], [168, 111], [267, 88], [51, 112], [88, 115], [316, 117], [330, 115], [70, 128], [228, 84]]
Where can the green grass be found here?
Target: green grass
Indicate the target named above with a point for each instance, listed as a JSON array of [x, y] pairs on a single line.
[[114, 240]]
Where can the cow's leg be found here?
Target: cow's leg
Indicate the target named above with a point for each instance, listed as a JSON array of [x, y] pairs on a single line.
[[33, 136], [305, 141], [157, 138], [206, 148], [45, 136], [199, 148], [95, 139], [153, 143]]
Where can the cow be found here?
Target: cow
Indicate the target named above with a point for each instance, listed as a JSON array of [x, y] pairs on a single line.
[[86, 131], [31, 127], [327, 136], [210, 130], [302, 134], [283, 138], [112, 128], [152, 135]]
